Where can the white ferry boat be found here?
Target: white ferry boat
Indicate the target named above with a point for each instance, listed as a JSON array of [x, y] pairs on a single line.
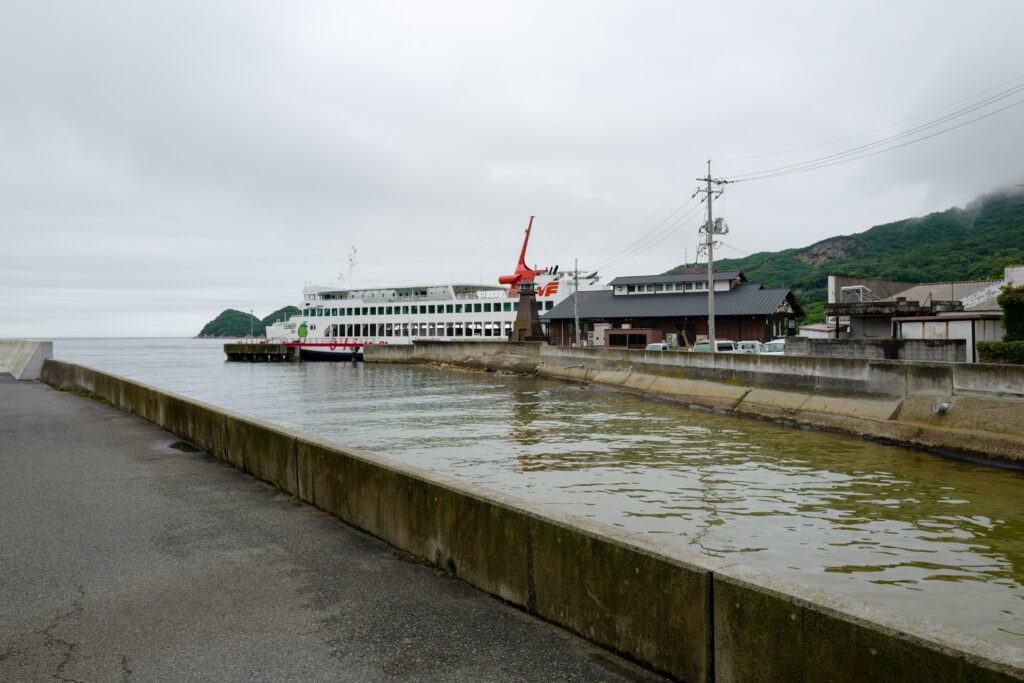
[[335, 324]]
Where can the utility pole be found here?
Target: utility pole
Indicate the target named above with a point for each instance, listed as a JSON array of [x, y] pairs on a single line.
[[710, 229], [576, 297]]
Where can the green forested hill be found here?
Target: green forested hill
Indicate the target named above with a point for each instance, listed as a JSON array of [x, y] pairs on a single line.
[[232, 323], [972, 243]]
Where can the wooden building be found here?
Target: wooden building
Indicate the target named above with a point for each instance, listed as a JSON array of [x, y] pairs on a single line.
[[639, 310]]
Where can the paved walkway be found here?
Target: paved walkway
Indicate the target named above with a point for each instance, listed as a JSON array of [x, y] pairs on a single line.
[[125, 555]]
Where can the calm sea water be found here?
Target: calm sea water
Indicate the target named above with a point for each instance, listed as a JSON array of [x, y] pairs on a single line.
[[908, 531]]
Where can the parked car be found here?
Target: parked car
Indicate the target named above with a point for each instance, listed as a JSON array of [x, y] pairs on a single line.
[[775, 347], [748, 347], [657, 346], [721, 346]]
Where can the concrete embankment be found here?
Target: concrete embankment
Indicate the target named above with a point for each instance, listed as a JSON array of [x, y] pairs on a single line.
[[972, 409], [23, 359], [691, 616]]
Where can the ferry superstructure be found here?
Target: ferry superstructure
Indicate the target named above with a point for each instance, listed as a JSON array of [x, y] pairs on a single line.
[[337, 323]]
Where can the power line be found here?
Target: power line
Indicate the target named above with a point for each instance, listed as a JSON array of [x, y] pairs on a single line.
[[880, 128], [886, 144], [649, 240]]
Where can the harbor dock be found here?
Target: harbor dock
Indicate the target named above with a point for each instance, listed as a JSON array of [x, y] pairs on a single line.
[[689, 615], [257, 352]]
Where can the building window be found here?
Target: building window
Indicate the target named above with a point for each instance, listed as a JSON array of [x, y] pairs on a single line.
[[631, 288]]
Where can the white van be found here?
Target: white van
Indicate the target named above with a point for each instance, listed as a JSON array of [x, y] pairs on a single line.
[[748, 347], [721, 345]]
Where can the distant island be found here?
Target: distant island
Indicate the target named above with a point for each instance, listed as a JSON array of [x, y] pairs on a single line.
[[234, 324]]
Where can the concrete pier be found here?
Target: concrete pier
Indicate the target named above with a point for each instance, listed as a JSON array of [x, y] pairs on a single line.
[[23, 358], [128, 554], [255, 352]]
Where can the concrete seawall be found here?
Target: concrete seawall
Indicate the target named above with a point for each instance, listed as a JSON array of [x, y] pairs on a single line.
[[688, 615], [883, 399], [23, 359]]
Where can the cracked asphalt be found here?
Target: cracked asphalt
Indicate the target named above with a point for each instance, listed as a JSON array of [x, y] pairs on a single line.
[[128, 555]]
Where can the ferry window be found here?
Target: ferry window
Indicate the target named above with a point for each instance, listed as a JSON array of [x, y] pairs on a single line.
[[476, 308], [334, 311], [540, 305], [405, 310], [515, 305], [458, 330], [548, 305], [373, 329], [320, 312], [487, 308], [449, 308], [458, 309], [405, 329], [432, 309], [365, 310], [388, 310], [507, 306]]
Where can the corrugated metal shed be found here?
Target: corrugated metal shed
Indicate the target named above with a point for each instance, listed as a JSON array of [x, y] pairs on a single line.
[[741, 300]]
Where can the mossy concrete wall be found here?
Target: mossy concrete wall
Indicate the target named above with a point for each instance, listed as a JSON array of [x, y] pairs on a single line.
[[508, 356], [691, 616]]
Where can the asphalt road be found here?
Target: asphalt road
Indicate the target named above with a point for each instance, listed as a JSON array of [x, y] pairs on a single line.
[[127, 555]]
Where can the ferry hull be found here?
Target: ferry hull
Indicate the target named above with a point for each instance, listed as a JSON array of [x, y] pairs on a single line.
[[326, 353]]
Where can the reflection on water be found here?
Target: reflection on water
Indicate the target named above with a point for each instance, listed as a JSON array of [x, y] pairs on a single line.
[[909, 531]]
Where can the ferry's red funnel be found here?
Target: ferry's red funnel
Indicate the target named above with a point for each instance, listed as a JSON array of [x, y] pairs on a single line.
[[523, 272]]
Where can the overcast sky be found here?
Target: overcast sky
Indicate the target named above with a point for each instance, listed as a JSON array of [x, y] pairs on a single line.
[[163, 161]]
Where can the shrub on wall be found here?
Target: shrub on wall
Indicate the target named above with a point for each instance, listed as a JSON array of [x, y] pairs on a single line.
[[1012, 303], [1002, 352]]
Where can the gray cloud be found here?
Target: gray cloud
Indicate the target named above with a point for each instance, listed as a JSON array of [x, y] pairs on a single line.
[[163, 161]]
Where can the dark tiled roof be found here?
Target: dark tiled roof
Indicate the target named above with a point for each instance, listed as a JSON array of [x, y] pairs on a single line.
[[740, 300], [685, 277]]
